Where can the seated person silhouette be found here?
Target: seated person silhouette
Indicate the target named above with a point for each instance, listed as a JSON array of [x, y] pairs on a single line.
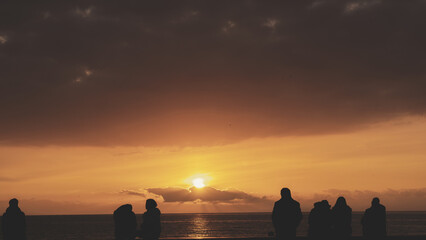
[[151, 225], [125, 223], [320, 221], [341, 215], [374, 221], [13, 222], [286, 216]]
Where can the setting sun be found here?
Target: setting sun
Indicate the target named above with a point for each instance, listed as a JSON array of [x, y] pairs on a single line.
[[198, 183]]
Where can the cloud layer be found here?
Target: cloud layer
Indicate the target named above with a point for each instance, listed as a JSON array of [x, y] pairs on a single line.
[[205, 72], [206, 194]]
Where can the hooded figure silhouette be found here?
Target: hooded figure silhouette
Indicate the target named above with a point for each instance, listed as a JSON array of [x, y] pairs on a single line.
[[125, 223], [13, 222], [286, 216], [320, 221], [151, 225], [374, 221], [341, 219]]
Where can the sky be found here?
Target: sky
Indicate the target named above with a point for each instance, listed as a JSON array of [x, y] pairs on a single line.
[[105, 103]]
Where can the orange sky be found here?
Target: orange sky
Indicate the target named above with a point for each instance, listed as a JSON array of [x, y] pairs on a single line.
[[386, 160]]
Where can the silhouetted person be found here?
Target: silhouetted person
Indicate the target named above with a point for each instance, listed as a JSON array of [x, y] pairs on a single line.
[[374, 221], [151, 225], [125, 223], [13, 222], [314, 221], [320, 221], [341, 219], [286, 216]]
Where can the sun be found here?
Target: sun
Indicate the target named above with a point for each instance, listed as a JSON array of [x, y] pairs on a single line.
[[198, 183]]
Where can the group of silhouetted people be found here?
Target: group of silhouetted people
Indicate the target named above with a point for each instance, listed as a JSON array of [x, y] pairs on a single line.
[[13, 224], [324, 222], [126, 225]]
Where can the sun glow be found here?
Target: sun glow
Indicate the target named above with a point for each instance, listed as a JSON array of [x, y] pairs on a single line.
[[198, 183]]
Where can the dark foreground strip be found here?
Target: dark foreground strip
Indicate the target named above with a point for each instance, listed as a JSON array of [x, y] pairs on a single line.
[[299, 238]]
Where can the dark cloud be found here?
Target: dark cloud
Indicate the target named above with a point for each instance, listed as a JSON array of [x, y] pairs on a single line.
[[205, 72], [206, 194]]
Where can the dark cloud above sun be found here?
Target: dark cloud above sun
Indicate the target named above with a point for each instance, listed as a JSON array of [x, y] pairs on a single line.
[[205, 72]]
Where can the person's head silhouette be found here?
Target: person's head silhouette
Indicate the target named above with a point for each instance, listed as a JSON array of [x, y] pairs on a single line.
[[128, 207], [285, 193], [13, 202], [150, 204], [341, 202], [325, 204], [375, 202], [317, 204]]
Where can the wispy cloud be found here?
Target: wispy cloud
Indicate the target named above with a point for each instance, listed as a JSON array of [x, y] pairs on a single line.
[[84, 12], [359, 5], [7, 179], [132, 192], [229, 26], [271, 23], [3, 39]]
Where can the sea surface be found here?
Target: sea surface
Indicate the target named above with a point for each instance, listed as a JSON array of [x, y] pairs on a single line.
[[101, 227]]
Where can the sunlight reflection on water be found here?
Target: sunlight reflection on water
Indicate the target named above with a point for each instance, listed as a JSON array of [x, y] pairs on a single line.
[[199, 227]]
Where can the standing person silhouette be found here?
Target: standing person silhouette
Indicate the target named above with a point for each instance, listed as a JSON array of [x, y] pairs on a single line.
[[125, 223], [314, 221], [326, 219], [286, 216], [341, 215], [320, 221], [151, 225], [374, 221], [13, 222]]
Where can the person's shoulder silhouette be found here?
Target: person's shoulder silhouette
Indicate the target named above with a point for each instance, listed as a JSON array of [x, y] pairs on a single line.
[[13, 222], [374, 220], [125, 223], [286, 215], [151, 225]]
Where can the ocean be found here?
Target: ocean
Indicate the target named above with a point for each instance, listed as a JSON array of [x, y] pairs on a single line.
[[100, 227]]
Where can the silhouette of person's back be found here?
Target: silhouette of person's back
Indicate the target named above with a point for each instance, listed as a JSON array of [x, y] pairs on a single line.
[[374, 221], [125, 223], [314, 221], [13, 222], [151, 225], [286, 216], [320, 221], [341, 219]]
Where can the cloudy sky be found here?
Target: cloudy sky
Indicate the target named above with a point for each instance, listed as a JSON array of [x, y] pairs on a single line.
[[105, 102]]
